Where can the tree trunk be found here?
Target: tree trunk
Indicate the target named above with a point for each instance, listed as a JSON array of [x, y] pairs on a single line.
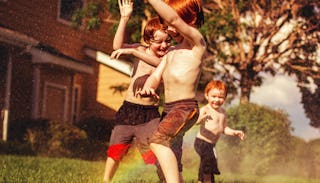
[[245, 87]]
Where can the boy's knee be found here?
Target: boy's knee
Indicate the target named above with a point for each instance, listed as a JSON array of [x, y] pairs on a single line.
[[117, 151], [149, 157]]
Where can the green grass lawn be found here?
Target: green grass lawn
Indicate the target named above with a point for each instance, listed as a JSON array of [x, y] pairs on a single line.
[[16, 169]]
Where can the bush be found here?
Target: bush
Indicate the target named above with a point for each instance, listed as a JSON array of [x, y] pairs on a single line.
[[64, 140], [19, 128], [98, 131], [267, 142], [47, 138], [87, 139], [96, 128], [16, 148]]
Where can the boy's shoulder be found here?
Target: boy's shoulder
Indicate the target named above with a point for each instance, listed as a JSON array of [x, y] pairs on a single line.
[[206, 109]]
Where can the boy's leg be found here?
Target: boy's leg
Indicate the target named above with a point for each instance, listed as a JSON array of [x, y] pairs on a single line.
[[176, 146], [110, 169], [167, 161], [207, 178], [120, 142]]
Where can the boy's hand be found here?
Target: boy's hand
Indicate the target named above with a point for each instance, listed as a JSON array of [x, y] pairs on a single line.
[[147, 92], [126, 7], [240, 134], [117, 53]]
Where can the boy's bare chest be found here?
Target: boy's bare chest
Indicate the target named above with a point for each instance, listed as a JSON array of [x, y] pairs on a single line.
[[214, 121], [143, 68]]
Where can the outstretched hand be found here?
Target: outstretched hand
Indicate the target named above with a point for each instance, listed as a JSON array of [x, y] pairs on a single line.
[[117, 53], [147, 92], [126, 7], [240, 134]]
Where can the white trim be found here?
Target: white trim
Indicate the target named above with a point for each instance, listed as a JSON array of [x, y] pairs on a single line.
[[16, 38], [66, 98], [103, 58], [43, 57]]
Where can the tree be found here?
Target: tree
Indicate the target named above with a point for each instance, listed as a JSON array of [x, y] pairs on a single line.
[[248, 37], [107, 11]]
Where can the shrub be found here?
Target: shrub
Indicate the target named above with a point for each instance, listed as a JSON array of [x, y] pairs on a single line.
[[64, 140], [267, 141], [96, 128], [19, 128], [87, 139], [48, 138], [98, 131], [16, 148]]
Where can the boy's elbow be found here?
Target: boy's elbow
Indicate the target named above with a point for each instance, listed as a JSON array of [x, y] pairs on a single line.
[[116, 47]]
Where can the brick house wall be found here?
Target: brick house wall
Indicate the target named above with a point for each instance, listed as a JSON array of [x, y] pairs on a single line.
[[50, 74]]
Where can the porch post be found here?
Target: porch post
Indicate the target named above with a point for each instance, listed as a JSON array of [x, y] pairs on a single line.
[[7, 97]]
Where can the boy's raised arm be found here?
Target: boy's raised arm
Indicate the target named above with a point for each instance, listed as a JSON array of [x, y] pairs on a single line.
[[126, 8], [173, 19]]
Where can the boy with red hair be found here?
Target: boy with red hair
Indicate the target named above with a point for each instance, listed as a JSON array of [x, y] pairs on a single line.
[[180, 71], [137, 116], [213, 123]]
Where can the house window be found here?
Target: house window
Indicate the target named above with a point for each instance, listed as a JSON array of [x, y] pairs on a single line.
[[55, 100], [67, 8]]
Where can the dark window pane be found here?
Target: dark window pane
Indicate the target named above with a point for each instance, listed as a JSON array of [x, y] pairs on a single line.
[[67, 7]]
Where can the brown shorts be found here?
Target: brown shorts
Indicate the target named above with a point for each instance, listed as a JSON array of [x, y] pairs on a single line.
[[122, 137], [133, 121], [135, 114], [208, 160], [177, 118]]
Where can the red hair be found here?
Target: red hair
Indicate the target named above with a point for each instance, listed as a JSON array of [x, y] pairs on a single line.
[[189, 10], [151, 27], [216, 84]]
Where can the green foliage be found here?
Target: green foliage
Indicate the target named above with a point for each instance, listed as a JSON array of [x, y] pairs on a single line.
[[268, 148], [267, 138], [64, 139], [89, 15], [86, 140], [16, 148], [56, 139], [314, 161], [98, 131]]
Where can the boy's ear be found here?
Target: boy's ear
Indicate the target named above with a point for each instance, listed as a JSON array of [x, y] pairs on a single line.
[[206, 96]]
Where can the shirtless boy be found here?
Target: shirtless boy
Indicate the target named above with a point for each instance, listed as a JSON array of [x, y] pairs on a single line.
[[179, 70], [212, 122], [134, 118]]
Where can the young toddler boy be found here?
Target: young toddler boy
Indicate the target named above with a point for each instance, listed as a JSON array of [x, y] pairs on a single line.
[[212, 121]]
